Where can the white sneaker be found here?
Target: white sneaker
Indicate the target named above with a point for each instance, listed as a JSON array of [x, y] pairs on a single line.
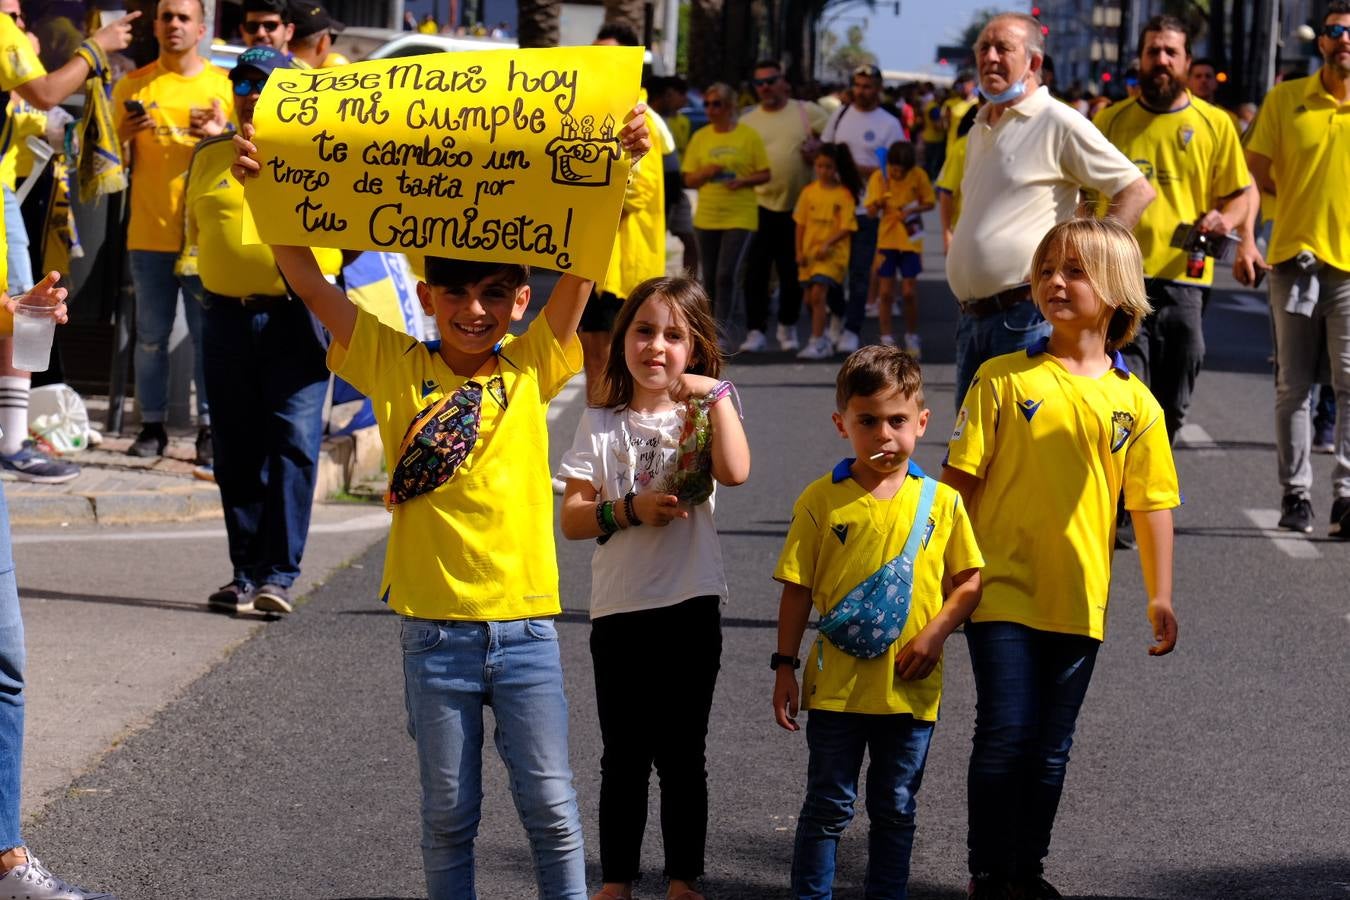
[[836, 328], [754, 342], [817, 348], [787, 338], [871, 311], [888, 340], [848, 342], [34, 880], [912, 345]]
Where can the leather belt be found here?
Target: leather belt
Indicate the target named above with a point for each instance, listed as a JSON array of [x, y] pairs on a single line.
[[1000, 302]]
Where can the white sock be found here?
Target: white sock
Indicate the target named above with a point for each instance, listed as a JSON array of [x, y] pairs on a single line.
[[14, 412]]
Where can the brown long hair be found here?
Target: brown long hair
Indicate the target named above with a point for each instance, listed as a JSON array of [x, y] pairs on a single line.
[[687, 297]]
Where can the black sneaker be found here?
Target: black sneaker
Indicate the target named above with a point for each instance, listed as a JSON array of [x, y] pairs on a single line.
[[29, 463], [205, 453], [1125, 531], [1296, 513], [150, 442], [1340, 518], [1037, 888], [990, 887], [232, 598], [273, 598]]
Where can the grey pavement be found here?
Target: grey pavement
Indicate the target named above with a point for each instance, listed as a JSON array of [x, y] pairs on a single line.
[[284, 770]]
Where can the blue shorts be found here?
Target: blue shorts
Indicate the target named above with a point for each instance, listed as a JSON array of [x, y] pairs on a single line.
[[822, 279], [905, 262]]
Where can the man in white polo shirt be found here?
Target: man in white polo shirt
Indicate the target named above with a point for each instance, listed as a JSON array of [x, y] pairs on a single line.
[[1027, 159]]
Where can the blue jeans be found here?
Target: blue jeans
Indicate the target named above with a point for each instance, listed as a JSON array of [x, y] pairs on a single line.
[[452, 670], [266, 373], [981, 338], [11, 690], [20, 263], [862, 251], [1029, 686], [156, 305], [897, 747]]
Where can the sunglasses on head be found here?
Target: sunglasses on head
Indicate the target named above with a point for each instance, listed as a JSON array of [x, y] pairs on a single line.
[[767, 80], [267, 25], [1335, 32], [245, 86]]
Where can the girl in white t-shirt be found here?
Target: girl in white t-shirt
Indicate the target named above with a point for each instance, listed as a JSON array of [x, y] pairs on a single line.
[[640, 480]]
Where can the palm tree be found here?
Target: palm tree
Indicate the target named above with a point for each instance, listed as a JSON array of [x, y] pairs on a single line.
[[538, 22], [626, 12]]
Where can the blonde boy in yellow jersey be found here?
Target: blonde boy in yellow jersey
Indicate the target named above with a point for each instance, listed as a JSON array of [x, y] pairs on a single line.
[[162, 110], [1190, 153], [470, 564], [852, 529], [899, 196], [1045, 442]]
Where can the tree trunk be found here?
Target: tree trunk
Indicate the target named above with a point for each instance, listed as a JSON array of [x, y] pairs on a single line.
[[538, 22], [705, 45], [626, 12]]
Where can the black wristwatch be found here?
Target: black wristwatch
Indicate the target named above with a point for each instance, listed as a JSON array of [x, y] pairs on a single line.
[[782, 659]]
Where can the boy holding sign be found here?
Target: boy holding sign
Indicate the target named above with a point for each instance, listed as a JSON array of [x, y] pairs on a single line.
[[470, 564]]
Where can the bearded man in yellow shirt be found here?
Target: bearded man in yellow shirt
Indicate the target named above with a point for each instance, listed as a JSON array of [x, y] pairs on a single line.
[[163, 110]]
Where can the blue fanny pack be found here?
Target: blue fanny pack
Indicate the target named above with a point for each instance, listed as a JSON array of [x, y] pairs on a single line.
[[871, 616]]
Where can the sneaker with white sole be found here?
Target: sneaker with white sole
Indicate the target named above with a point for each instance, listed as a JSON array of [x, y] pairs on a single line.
[[33, 881], [273, 598], [817, 348], [787, 338], [871, 310], [28, 463], [848, 342], [232, 598], [754, 342], [887, 340], [835, 329], [913, 346]]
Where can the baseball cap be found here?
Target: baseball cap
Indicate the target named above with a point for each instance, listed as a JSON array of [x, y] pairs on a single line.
[[868, 71], [310, 17], [264, 60]]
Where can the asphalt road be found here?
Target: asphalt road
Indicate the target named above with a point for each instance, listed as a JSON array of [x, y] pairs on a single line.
[[1218, 772]]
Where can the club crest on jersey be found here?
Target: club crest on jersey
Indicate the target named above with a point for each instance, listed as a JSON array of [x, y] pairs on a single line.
[[928, 532], [961, 418], [1029, 407], [1184, 134], [1122, 426]]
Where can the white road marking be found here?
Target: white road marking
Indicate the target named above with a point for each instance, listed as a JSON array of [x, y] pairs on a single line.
[[1198, 439], [566, 396], [1290, 543], [369, 522]]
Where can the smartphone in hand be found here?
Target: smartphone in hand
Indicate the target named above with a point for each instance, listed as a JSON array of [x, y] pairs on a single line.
[[134, 107]]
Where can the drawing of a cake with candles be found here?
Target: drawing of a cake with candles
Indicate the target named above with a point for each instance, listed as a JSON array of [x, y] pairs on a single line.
[[582, 156]]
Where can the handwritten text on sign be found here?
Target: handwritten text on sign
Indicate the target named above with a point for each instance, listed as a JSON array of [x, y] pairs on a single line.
[[508, 155]]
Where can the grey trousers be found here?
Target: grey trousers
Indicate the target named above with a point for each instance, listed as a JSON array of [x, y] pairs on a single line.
[[1301, 344]]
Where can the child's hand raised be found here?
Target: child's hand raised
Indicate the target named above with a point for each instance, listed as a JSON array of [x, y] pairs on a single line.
[[1164, 622], [688, 386], [246, 163], [658, 509], [635, 136]]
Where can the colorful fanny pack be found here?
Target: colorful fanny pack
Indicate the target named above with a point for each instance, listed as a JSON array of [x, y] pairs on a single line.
[[869, 619], [438, 441]]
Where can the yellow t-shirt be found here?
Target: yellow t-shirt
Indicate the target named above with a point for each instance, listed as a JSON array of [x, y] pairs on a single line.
[[479, 547], [639, 250], [956, 111], [949, 179], [334, 59], [898, 193], [18, 62], [1053, 452], [160, 155], [739, 152], [823, 212], [840, 535], [1305, 133], [23, 121], [680, 128], [1192, 157], [784, 131], [214, 204], [932, 132]]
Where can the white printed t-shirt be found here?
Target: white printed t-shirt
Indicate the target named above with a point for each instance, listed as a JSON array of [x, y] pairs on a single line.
[[864, 133], [1023, 176], [618, 451]]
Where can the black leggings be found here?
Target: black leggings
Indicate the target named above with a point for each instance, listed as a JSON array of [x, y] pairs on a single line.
[[654, 709]]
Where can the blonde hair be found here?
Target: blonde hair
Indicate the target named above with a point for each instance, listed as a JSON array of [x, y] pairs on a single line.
[[1112, 265]]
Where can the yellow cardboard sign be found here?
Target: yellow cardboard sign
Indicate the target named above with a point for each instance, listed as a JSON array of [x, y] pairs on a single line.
[[506, 155]]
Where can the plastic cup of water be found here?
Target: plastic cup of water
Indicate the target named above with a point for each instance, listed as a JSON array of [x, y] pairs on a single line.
[[34, 328]]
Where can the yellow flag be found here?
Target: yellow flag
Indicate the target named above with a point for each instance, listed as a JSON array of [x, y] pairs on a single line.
[[506, 155]]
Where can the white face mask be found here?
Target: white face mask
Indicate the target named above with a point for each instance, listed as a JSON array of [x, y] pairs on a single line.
[[1011, 92]]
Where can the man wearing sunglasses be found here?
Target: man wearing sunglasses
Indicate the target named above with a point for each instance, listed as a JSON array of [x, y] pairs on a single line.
[[162, 110], [265, 370], [267, 23], [1299, 151]]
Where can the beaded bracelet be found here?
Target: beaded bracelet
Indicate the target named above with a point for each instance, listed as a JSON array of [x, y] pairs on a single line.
[[629, 512], [722, 389]]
